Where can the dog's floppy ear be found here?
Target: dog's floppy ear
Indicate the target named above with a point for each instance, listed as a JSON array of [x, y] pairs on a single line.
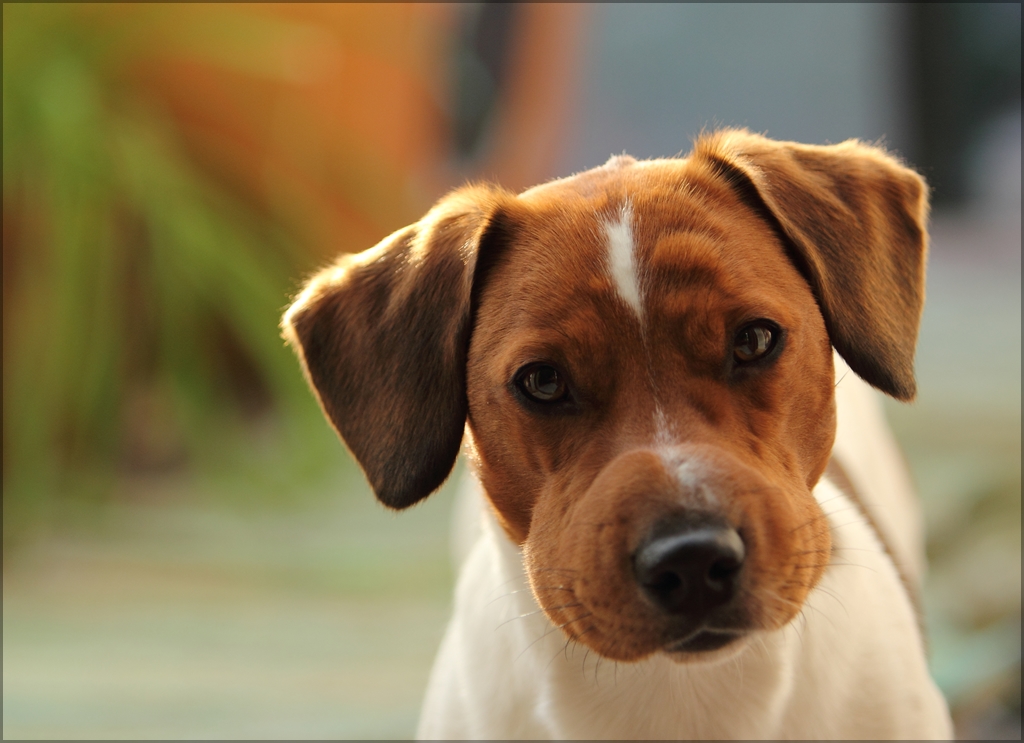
[[383, 337], [854, 218]]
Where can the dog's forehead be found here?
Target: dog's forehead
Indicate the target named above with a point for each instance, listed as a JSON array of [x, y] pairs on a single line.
[[600, 186], [644, 199], [639, 229]]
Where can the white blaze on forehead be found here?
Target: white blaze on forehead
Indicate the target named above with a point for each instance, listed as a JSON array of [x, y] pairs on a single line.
[[622, 257], [662, 433]]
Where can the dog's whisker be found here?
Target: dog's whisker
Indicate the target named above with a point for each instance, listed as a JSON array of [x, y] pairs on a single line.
[[840, 496], [844, 509], [834, 597], [563, 651], [529, 590], [854, 564], [518, 616], [802, 606], [553, 628], [872, 550], [553, 570], [859, 519], [801, 585], [548, 631], [838, 511], [824, 516], [536, 612], [816, 519], [510, 580], [510, 594], [763, 645]]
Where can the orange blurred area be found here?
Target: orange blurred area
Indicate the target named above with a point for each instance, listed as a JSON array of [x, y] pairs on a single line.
[[331, 115], [337, 117]]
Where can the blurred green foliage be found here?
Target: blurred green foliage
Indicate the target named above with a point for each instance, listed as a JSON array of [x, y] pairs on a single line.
[[140, 297]]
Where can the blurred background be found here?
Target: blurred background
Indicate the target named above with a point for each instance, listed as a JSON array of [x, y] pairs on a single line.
[[188, 552]]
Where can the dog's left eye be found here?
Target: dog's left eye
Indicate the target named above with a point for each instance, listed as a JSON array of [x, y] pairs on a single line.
[[542, 382], [754, 340]]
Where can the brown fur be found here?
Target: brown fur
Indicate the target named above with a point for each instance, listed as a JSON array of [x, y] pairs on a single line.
[[408, 343]]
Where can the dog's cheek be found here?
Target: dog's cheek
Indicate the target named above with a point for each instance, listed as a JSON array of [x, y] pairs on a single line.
[[817, 444], [579, 557], [811, 423], [810, 551], [511, 490], [555, 562], [519, 454], [789, 544], [519, 462], [507, 461]]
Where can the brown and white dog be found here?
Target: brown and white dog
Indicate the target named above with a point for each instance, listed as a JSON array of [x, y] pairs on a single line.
[[639, 362]]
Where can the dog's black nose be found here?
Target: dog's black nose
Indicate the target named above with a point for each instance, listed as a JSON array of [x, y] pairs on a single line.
[[690, 569]]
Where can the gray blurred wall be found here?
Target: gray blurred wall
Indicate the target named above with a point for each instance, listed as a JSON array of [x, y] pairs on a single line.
[[656, 74]]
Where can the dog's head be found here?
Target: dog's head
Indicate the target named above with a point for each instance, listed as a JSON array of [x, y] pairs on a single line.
[[642, 357]]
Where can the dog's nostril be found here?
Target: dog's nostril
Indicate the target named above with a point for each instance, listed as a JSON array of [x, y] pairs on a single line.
[[666, 582], [723, 570], [690, 569]]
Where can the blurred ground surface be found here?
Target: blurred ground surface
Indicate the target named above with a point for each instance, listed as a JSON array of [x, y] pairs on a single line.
[[175, 615], [171, 618]]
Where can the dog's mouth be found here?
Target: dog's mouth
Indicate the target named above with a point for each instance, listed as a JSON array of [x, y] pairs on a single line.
[[704, 641]]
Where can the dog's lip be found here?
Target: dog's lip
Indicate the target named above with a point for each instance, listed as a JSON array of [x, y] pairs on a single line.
[[704, 641]]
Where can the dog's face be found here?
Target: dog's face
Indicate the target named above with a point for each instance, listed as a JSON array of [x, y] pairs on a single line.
[[643, 353], [616, 385]]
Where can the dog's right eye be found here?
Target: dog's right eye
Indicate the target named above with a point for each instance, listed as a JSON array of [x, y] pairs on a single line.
[[542, 383]]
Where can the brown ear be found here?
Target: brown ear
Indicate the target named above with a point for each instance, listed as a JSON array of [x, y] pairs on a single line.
[[383, 336], [854, 218]]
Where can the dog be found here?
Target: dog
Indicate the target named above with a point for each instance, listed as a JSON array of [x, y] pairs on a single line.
[[685, 535]]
